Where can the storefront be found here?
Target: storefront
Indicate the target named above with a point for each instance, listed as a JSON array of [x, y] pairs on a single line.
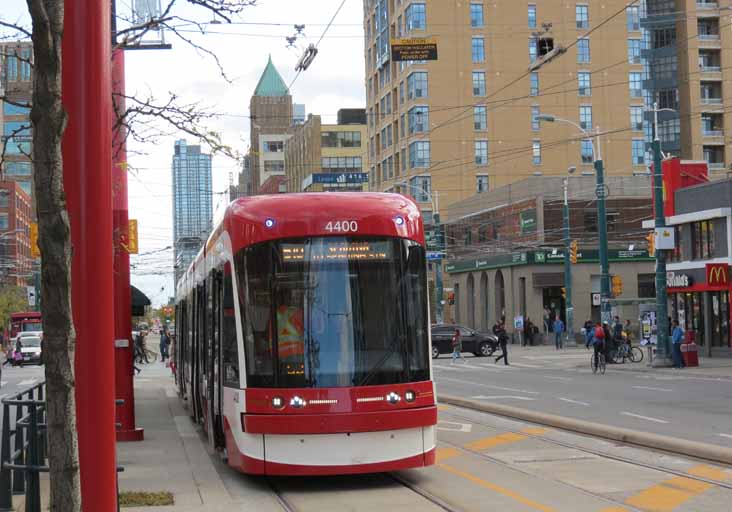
[[700, 300]]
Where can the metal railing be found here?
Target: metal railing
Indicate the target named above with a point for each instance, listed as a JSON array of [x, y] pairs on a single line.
[[23, 448]]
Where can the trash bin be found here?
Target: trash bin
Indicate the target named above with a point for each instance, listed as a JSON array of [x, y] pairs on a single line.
[[690, 350]]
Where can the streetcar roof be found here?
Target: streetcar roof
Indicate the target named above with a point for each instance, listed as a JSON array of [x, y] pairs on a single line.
[[255, 219]]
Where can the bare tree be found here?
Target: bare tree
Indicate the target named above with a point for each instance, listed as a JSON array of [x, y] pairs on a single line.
[[49, 120]]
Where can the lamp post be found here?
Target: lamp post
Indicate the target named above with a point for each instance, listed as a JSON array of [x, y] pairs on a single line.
[[434, 199], [569, 307], [601, 193]]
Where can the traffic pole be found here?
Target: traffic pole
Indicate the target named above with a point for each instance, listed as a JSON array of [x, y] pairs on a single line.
[[440, 289], [663, 349], [601, 193], [124, 389], [87, 156], [569, 307]]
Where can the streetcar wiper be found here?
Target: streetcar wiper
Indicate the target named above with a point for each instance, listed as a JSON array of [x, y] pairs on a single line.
[[378, 365]]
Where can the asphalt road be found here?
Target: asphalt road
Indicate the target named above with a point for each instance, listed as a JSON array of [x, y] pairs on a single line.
[[676, 404]]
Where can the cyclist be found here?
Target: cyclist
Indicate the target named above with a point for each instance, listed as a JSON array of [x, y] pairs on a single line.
[[597, 341]]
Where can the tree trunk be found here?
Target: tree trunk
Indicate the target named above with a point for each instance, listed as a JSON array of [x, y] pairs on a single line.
[[54, 240]]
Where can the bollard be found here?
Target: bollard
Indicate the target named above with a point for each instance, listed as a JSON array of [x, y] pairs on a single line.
[[33, 481], [18, 474], [6, 492]]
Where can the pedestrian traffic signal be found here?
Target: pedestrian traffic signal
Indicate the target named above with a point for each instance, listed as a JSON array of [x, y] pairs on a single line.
[[617, 286], [651, 239], [573, 251]]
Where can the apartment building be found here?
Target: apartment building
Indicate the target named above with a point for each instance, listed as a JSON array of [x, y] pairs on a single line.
[[687, 55], [15, 221], [467, 122], [328, 157]]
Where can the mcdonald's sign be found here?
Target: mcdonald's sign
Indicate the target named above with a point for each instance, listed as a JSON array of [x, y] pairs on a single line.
[[717, 274]]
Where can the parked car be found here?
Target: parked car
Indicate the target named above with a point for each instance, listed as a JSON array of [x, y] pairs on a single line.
[[478, 343], [31, 349]]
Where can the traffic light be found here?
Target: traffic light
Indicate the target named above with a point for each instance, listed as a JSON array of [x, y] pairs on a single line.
[[651, 239], [564, 292], [617, 286], [573, 251]]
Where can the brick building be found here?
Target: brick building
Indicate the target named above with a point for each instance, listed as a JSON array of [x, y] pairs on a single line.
[[15, 220]]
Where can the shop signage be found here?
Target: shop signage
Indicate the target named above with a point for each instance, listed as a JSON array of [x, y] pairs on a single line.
[[674, 280], [527, 219], [717, 274], [413, 49]]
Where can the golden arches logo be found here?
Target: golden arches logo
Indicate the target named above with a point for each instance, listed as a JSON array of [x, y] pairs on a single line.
[[717, 275]]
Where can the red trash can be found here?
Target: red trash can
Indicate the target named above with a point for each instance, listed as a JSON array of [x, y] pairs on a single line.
[[690, 350]]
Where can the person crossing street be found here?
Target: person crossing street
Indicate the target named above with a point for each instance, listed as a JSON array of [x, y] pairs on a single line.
[[558, 329], [500, 331]]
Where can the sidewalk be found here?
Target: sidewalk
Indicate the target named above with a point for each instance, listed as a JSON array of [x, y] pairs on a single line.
[[174, 456], [709, 367]]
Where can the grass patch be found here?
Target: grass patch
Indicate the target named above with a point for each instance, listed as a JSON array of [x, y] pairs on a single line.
[[145, 499]]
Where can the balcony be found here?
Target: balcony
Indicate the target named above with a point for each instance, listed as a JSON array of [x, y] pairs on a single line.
[[707, 4], [709, 61], [712, 125], [714, 155], [710, 93], [708, 30]]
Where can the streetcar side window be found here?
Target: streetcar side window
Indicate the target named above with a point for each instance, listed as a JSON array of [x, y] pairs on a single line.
[[229, 350], [416, 290]]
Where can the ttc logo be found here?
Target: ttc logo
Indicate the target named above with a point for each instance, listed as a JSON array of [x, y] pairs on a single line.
[[717, 274]]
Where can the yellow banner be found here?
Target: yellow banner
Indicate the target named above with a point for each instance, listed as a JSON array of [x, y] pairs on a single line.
[[132, 246], [35, 251]]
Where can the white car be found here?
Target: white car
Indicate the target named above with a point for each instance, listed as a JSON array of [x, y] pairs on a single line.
[[29, 334], [31, 349]]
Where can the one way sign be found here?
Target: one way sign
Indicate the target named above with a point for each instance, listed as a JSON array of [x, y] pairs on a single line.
[[31, 291]]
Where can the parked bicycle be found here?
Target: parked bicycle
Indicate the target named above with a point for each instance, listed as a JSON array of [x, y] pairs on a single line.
[[628, 351]]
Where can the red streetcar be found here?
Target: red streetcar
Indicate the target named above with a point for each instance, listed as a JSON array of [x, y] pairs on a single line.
[[303, 335]]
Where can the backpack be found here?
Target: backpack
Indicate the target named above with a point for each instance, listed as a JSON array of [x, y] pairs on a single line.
[[599, 333]]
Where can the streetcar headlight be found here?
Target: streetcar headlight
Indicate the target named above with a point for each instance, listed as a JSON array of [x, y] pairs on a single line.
[[399, 221], [409, 396], [278, 402], [297, 402], [269, 223], [393, 398]]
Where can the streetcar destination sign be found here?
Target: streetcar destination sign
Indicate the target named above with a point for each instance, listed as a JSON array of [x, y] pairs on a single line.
[[413, 49]]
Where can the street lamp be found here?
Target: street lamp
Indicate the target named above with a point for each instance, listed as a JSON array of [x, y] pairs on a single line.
[[434, 199], [601, 193]]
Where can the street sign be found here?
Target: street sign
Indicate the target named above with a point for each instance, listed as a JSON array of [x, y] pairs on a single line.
[[31, 292], [434, 255], [413, 49], [665, 238]]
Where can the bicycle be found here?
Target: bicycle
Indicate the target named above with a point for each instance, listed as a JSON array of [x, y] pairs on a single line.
[[145, 356], [628, 351], [597, 362]]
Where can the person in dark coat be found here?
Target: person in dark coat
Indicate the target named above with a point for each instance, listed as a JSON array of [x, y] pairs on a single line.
[[500, 331], [164, 344]]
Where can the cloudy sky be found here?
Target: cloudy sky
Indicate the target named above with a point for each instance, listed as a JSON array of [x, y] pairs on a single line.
[[333, 81]]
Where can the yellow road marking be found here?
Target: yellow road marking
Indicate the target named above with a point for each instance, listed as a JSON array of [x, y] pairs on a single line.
[[535, 431], [709, 472], [497, 488], [446, 453], [443, 407], [668, 495], [490, 442]]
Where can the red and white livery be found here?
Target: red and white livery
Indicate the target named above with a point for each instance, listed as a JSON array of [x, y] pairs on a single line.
[[302, 335]]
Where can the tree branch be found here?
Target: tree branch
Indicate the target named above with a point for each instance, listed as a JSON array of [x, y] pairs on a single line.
[[27, 33]]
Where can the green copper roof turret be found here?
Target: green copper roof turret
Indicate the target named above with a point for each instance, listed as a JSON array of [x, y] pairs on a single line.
[[271, 83]]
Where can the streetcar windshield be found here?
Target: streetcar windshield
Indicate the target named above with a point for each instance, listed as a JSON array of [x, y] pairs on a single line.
[[334, 312]]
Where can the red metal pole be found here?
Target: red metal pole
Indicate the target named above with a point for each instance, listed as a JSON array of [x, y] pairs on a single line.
[[87, 154], [122, 297]]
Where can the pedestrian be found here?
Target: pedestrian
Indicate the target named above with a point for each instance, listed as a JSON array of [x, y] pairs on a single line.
[[558, 329], [528, 332], [140, 353], [164, 343], [627, 329], [677, 336], [18, 354], [608, 339], [500, 331], [617, 329], [547, 325], [457, 347]]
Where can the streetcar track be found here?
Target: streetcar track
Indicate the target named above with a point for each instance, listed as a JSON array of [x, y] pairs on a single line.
[[423, 493], [599, 453], [279, 496]]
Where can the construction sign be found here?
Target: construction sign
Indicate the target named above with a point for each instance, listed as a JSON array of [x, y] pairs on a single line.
[[413, 49], [132, 246]]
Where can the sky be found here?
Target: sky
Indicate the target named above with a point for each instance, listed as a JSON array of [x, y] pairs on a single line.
[[334, 80]]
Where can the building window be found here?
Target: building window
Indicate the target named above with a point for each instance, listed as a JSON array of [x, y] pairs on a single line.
[[669, 98], [586, 151], [635, 82], [639, 151], [402, 125], [416, 17], [341, 164], [589, 221], [481, 152], [478, 83], [340, 139], [418, 119], [419, 154], [480, 118], [669, 130], [702, 240], [585, 116], [10, 109], [274, 146], [4, 198], [582, 15], [276, 166], [535, 123], [534, 88], [421, 188], [646, 286], [476, 15], [17, 168], [18, 135], [532, 16], [633, 17], [584, 84], [417, 85], [636, 118], [401, 93], [404, 160], [583, 50], [481, 184], [3, 221], [532, 49], [634, 51], [536, 151], [478, 50]]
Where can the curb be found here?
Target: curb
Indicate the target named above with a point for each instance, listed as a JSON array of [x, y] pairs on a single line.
[[694, 449]]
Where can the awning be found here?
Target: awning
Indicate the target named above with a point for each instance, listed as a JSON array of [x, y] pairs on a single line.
[[139, 301]]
